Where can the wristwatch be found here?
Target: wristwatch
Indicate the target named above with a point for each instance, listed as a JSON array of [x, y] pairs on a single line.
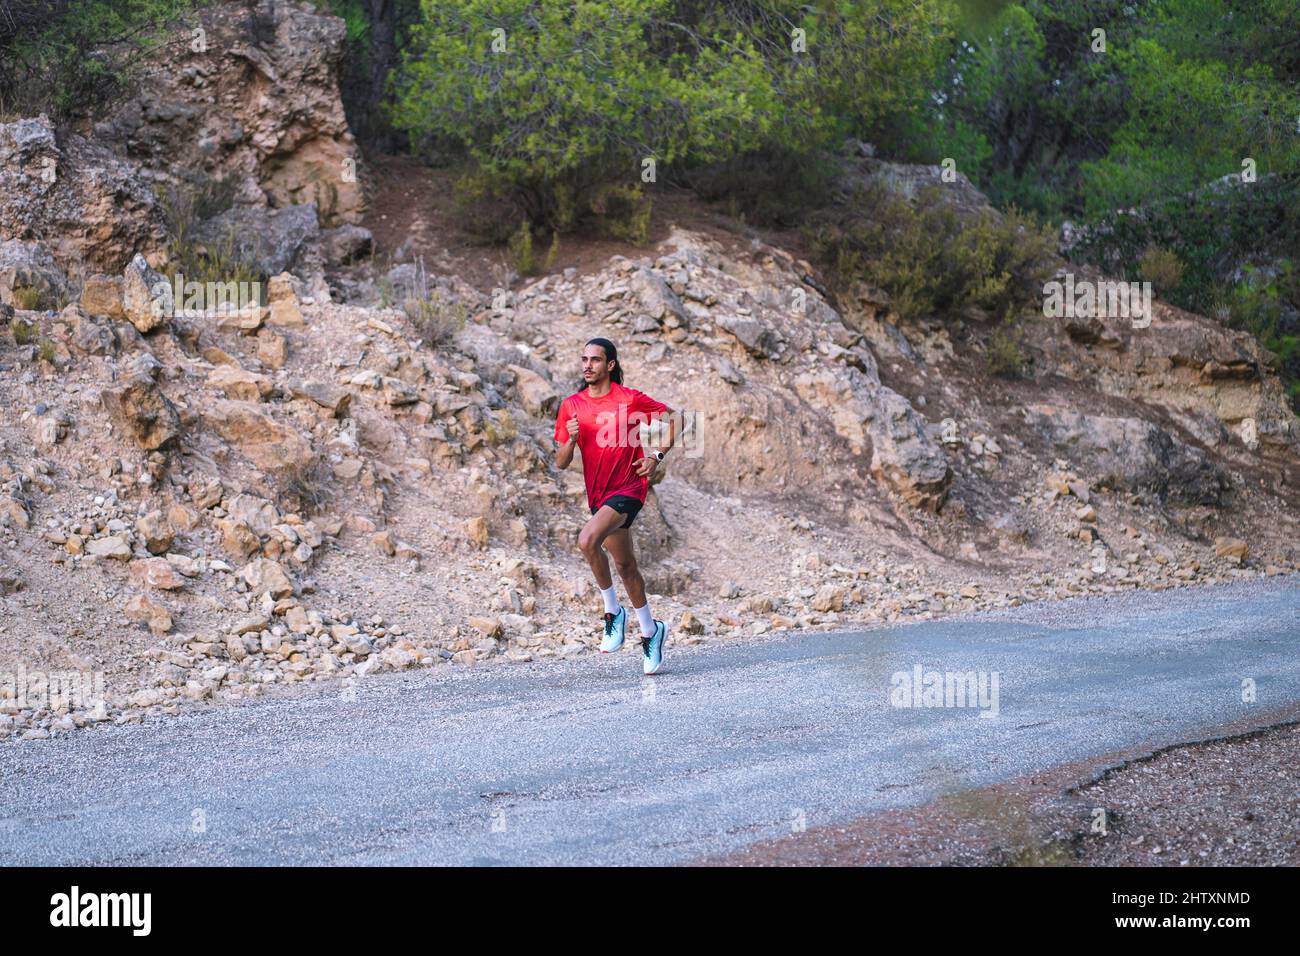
[[659, 456]]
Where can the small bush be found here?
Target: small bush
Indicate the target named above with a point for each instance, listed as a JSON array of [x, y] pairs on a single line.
[[768, 187], [622, 212], [23, 332], [26, 298], [184, 208], [1005, 356], [45, 352], [305, 489], [552, 252], [73, 59], [436, 318], [1162, 268], [1255, 304], [931, 259], [484, 211], [521, 250]]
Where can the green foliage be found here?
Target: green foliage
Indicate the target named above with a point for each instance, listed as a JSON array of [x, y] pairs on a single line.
[[575, 96], [772, 186], [1255, 303], [1162, 268], [184, 208], [552, 252], [1037, 115], [46, 351], [622, 211], [1211, 230], [26, 298], [1005, 355], [69, 58], [521, 250], [23, 332], [436, 316], [931, 259]]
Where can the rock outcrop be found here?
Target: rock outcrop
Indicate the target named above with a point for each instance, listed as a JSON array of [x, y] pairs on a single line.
[[254, 99], [1132, 454], [91, 207]]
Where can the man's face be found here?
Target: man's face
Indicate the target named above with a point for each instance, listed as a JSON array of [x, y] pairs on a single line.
[[594, 367]]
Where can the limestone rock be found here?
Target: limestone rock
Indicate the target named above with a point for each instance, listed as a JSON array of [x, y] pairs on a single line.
[[264, 576], [94, 206], [537, 394], [1231, 548], [113, 546], [142, 412], [333, 398], [239, 383], [145, 304], [829, 597], [156, 532], [102, 296], [1133, 454], [904, 456], [141, 610], [477, 530], [156, 573], [264, 441], [28, 268]]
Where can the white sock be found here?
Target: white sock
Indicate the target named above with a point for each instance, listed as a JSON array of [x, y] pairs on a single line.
[[647, 622], [611, 599]]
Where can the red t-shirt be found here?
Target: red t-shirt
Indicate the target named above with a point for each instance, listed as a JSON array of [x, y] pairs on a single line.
[[609, 438]]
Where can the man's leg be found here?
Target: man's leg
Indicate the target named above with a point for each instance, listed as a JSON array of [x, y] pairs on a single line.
[[592, 536], [619, 545]]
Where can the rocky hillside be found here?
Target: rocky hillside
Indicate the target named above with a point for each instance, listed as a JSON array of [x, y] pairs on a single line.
[[209, 504]]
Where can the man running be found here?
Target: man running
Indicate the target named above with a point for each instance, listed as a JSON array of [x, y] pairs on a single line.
[[602, 420]]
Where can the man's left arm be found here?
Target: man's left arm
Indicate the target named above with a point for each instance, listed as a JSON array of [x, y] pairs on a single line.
[[656, 455]]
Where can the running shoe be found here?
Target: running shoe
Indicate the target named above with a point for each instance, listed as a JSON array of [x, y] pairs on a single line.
[[652, 649], [615, 630]]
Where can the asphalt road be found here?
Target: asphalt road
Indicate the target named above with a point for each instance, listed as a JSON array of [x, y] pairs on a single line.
[[587, 762]]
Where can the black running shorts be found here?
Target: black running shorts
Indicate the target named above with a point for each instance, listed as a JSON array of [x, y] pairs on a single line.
[[624, 505]]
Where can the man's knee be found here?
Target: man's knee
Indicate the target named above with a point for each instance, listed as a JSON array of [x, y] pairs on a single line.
[[588, 542]]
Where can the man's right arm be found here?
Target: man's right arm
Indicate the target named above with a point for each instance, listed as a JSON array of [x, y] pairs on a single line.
[[567, 442], [564, 455]]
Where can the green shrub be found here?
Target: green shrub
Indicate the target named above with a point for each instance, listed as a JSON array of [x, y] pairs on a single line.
[[183, 209], [1004, 354], [622, 212], [521, 250], [26, 298], [1254, 304], [552, 100], [552, 252], [436, 318], [23, 332], [1162, 268], [70, 59], [932, 259], [45, 352], [768, 187]]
